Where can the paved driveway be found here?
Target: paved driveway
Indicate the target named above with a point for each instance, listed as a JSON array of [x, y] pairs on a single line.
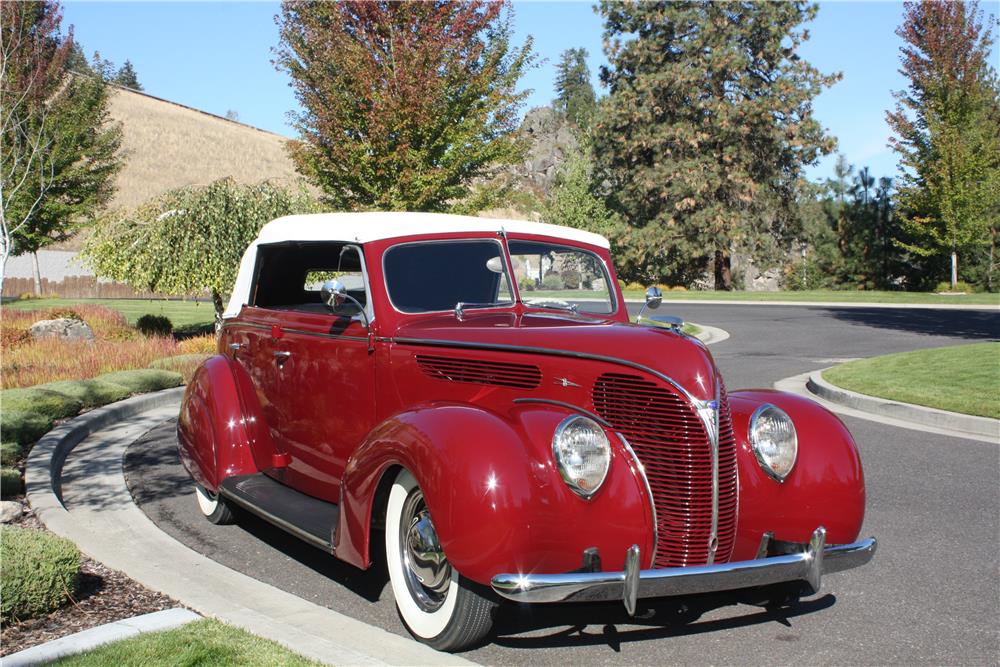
[[929, 597]]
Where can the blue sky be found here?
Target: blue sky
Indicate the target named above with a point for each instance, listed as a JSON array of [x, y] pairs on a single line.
[[217, 57]]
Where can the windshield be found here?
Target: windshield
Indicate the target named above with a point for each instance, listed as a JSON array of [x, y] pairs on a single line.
[[438, 275], [555, 276]]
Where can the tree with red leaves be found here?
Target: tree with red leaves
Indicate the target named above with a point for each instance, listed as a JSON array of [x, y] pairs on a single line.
[[404, 104], [947, 127]]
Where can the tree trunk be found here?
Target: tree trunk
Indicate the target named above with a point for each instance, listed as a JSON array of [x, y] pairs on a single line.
[[723, 271], [954, 270], [993, 258], [219, 307], [37, 274]]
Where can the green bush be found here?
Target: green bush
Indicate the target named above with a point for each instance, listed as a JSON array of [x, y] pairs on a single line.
[[154, 325], [40, 401], [40, 572], [10, 453], [960, 286], [91, 393], [10, 485], [23, 427], [552, 281], [143, 380]]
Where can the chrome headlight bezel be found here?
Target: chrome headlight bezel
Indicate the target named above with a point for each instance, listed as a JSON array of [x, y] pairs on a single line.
[[756, 445], [573, 480]]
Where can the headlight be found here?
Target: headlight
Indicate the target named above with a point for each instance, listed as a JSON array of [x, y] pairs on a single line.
[[582, 453], [772, 435]]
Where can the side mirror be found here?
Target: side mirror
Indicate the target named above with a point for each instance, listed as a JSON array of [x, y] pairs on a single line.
[[654, 297], [334, 294]]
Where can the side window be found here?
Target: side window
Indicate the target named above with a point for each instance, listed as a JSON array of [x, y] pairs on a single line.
[[290, 276]]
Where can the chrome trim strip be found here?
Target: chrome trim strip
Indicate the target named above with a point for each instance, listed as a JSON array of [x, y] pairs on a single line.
[[649, 493], [500, 347], [808, 565], [267, 327], [317, 542], [569, 406]]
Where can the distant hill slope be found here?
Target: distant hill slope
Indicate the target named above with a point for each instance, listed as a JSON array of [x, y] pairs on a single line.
[[168, 145]]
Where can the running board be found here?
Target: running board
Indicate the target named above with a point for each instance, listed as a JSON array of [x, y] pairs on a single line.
[[308, 518]]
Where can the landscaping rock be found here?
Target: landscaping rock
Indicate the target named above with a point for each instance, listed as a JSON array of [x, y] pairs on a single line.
[[10, 511], [64, 327]]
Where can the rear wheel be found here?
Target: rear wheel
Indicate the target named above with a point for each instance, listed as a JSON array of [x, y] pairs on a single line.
[[213, 507], [439, 606]]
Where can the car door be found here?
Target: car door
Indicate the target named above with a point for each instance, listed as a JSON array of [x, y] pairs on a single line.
[[319, 381]]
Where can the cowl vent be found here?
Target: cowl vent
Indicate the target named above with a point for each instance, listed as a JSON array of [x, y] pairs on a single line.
[[480, 371]]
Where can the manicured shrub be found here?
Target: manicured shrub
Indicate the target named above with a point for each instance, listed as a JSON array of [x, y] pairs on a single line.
[[40, 572], [40, 401], [154, 325], [552, 281], [91, 393], [10, 485], [10, 453], [960, 286], [143, 380], [23, 427]]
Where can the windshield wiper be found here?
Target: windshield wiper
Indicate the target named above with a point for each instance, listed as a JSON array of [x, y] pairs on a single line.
[[556, 304], [462, 305]]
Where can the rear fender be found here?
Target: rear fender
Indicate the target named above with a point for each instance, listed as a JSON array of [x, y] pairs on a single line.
[[220, 429], [825, 488], [494, 491]]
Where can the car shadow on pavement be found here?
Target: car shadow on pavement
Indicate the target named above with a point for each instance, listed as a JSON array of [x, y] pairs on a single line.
[[661, 619], [982, 324]]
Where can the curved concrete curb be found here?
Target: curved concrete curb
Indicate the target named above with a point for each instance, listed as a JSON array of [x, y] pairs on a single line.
[[825, 304], [87, 640], [710, 335], [96, 510], [956, 421]]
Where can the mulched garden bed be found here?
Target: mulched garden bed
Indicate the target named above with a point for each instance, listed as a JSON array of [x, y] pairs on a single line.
[[105, 596]]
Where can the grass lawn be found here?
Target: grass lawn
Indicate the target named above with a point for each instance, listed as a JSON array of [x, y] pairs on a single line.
[[965, 378], [181, 313], [205, 642]]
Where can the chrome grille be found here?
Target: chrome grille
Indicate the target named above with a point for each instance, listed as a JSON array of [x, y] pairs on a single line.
[[671, 442]]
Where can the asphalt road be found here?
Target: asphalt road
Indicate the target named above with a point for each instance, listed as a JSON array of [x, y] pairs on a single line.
[[931, 596]]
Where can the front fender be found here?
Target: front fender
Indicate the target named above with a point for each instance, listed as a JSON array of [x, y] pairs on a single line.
[[825, 488], [220, 428], [494, 492]]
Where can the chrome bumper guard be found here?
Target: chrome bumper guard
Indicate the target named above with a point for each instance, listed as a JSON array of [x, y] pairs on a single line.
[[809, 566]]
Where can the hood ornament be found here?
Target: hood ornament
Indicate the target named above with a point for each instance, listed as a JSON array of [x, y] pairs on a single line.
[[565, 382]]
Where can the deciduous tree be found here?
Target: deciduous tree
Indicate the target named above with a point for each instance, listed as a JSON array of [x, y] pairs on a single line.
[[947, 130], [189, 240], [404, 104], [708, 124]]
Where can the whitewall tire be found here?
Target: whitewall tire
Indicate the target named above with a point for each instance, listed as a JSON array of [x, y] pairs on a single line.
[[438, 606], [212, 506]]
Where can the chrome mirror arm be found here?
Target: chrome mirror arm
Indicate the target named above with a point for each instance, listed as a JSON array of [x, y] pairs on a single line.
[[654, 297], [333, 290]]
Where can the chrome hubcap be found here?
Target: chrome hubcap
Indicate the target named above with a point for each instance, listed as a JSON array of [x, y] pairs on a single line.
[[426, 570]]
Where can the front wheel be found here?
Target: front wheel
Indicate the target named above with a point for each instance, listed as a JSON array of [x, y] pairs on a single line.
[[213, 507], [438, 605]]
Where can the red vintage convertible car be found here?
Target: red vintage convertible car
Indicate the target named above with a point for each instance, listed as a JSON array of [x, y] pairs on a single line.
[[474, 390]]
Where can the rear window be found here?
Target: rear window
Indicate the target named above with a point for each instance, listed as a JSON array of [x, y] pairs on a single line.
[[437, 275]]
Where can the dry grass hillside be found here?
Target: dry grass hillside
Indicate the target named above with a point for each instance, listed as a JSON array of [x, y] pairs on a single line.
[[168, 146]]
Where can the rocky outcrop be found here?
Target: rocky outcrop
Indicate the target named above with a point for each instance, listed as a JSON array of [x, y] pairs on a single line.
[[551, 140], [63, 327]]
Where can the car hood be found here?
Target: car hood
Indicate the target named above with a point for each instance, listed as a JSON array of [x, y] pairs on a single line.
[[682, 358]]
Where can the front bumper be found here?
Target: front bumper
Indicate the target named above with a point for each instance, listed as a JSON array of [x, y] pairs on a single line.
[[808, 565]]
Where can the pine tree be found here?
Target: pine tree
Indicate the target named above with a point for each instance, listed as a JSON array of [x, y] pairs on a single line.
[[708, 124], [404, 105], [947, 128], [575, 95], [126, 76]]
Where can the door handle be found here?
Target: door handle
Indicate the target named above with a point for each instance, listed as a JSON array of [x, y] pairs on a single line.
[[281, 356], [235, 347]]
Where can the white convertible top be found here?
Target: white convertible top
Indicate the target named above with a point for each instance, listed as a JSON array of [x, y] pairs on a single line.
[[375, 226]]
